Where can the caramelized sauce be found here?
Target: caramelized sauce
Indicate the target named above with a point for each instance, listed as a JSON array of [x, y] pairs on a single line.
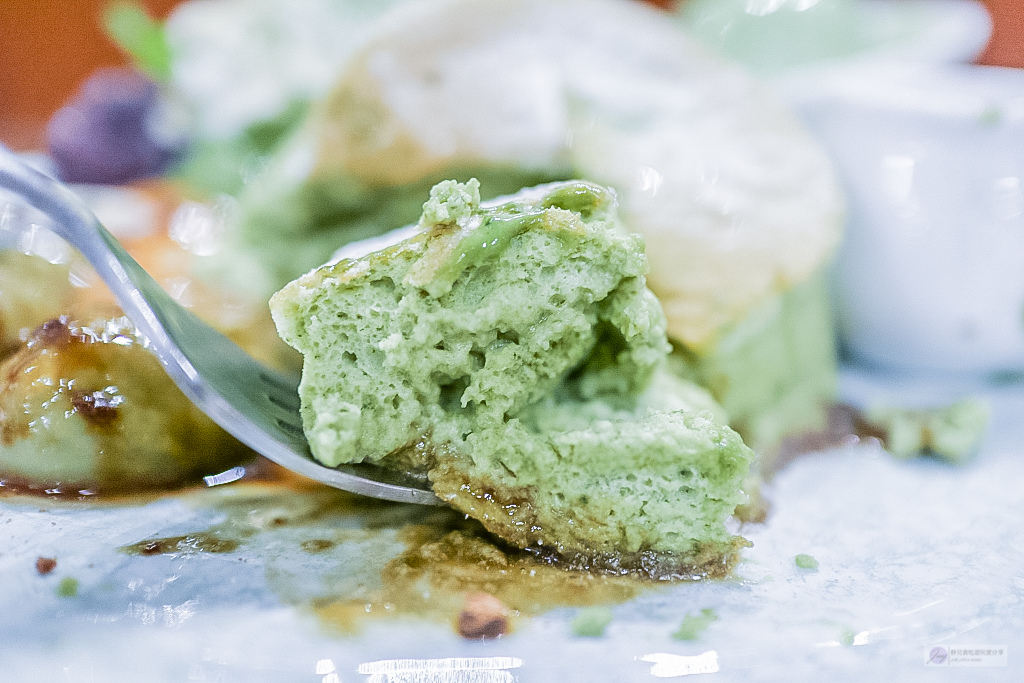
[[183, 545], [259, 470], [845, 426], [99, 408], [16, 488], [317, 545], [449, 562]]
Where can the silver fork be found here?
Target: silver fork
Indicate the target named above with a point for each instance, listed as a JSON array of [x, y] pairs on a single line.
[[257, 405]]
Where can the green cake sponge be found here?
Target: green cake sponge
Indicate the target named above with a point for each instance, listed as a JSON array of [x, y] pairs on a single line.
[[514, 354]]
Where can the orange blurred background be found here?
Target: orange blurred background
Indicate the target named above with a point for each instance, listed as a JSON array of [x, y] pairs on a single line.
[[50, 46], [1006, 48]]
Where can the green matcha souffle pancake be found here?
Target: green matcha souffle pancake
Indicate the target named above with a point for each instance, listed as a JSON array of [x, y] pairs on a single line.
[[514, 354], [737, 204]]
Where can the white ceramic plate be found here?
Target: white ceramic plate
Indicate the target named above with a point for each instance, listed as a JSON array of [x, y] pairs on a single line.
[[913, 555]]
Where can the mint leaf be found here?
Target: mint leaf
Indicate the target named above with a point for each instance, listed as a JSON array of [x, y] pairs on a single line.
[[141, 37]]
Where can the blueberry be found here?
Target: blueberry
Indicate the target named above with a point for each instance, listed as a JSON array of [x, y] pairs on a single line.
[[109, 133]]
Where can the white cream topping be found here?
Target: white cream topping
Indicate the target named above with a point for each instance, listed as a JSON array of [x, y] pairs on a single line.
[[734, 199]]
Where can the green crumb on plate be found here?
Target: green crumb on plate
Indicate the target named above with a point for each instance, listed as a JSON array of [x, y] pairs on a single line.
[[67, 588], [951, 433], [991, 116], [591, 622], [694, 625], [847, 637], [805, 561]]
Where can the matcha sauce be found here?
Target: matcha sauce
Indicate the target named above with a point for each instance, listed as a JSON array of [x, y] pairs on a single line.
[[502, 223], [493, 236]]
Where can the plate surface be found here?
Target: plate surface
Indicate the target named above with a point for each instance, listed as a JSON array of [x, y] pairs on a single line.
[[259, 582]]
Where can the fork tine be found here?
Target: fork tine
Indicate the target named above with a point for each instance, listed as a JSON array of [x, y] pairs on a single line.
[[282, 399], [283, 382]]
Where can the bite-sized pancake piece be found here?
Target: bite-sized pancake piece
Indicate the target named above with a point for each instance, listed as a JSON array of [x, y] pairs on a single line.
[[480, 314], [635, 483], [515, 354], [89, 407]]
